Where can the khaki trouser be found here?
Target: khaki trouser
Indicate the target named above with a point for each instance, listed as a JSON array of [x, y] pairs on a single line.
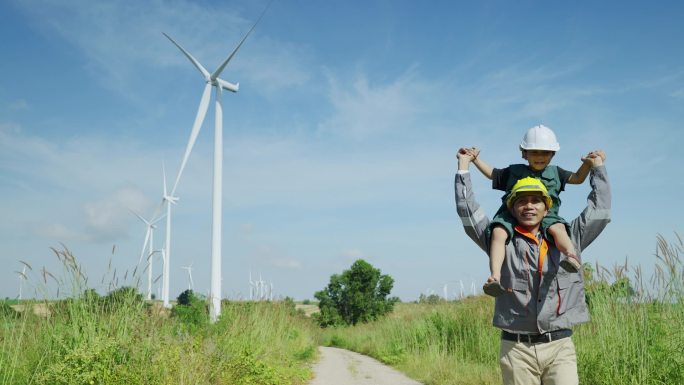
[[549, 363]]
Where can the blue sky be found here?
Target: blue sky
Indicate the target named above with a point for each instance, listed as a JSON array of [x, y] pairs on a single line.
[[340, 144]]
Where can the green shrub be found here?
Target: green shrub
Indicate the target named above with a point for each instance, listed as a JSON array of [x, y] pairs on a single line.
[[191, 310], [7, 311]]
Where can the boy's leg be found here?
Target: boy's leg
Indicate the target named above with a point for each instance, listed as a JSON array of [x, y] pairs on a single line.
[[569, 262], [497, 249]]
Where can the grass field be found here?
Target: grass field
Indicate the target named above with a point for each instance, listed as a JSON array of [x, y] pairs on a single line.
[[120, 339], [635, 337]]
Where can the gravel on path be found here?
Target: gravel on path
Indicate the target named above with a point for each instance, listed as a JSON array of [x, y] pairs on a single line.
[[342, 367]]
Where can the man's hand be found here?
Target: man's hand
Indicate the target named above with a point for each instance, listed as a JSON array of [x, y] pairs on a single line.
[[472, 151], [464, 156], [595, 158]]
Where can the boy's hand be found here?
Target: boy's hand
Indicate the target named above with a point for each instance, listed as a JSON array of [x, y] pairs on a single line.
[[599, 153], [472, 151], [465, 153], [595, 158]]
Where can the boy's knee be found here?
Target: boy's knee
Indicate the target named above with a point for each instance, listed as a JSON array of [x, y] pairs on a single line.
[[499, 233], [558, 226]]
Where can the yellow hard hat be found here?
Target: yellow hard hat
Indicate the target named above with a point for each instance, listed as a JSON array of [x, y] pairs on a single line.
[[528, 184]]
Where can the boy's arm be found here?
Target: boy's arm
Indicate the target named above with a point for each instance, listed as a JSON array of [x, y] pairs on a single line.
[[481, 165], [579, 176]]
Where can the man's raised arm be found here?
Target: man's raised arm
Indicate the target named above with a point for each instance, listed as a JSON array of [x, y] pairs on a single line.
[[475, 222], [596, 215]]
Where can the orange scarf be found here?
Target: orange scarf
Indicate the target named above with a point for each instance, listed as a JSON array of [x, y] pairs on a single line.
[[543, 247]]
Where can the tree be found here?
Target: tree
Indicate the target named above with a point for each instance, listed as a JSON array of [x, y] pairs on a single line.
[[357, 295], [191, 309], [431, 299], [123, 296]]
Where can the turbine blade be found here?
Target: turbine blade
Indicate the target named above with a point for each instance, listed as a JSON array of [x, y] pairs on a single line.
[[159, 218], [164, 174], [194, 61], [199, 119], [220, 69], [139, 217], [147, 239]]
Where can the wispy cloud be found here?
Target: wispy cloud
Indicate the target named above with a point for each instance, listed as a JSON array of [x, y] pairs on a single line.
[[363, 110], [352, 255], [109, 219], [19, 104], [122, 42]]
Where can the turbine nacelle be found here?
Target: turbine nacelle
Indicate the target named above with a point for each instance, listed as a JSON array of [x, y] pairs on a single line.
[[170, 199], [227, 85]]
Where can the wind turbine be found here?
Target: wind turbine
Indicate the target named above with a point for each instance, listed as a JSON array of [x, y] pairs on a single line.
[[212, 80], [149, 244], [252, 286], [262, 288], [168, 200], [22, 278], [191, 284]]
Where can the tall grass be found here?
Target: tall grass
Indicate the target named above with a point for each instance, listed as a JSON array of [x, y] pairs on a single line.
[[86, 340], [636, 335]]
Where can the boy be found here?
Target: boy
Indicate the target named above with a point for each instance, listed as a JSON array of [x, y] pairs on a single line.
[[538, 147]]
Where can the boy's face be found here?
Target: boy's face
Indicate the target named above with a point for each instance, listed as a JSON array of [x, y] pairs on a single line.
[[538, 159]]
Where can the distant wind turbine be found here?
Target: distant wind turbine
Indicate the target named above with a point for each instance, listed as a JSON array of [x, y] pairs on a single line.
[[191, 284], [212, 80], [252, 286], [168, 200], [149, 244], [22, 278]]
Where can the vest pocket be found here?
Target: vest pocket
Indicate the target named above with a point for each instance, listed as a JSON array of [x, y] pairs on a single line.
[[520, 296], [568, 292]]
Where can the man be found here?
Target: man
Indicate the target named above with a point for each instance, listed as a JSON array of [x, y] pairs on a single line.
[[542, 302]]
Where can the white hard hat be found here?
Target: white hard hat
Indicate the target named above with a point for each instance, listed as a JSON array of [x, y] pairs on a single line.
[[540, 138]]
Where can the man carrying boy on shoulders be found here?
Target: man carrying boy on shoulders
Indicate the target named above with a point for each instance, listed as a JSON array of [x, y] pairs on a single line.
[[542, 302]]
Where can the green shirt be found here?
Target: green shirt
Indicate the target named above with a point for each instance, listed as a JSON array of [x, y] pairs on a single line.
[[553, 177]]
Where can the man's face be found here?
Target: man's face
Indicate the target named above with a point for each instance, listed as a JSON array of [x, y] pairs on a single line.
[[538, 159], [529, 209]]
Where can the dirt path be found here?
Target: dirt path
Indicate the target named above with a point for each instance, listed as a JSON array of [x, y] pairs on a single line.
[[342, 367]]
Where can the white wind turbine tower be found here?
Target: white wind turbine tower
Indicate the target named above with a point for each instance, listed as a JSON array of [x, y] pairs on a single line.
[[168, 200], [262, 288], [149, 244], [191, 284], [22, 278], [252, 286], [213, 80]]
